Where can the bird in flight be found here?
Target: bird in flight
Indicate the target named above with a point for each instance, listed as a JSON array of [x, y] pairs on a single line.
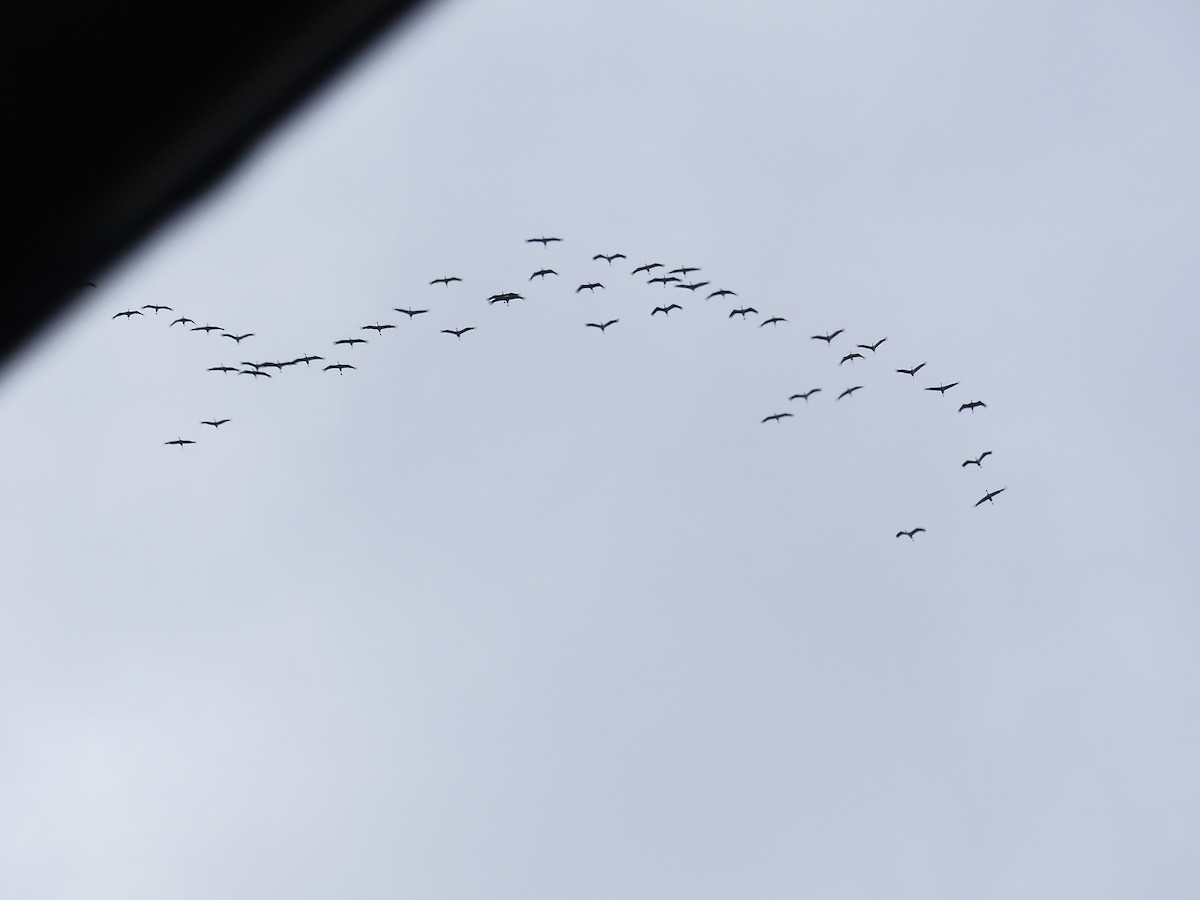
[[805, 395], [942, 388], [542, 273], [377, 328], [208, 328], [850, 357], [339, 366], [184, 320], [255, 373], [154, 306], [544, 241], [129, 313], [872, 347], [179, 442], [665, 310], [664, 280], [972, 406], [504, 298], [693, 286], [215, 423], [591, 286], [609, 257], [410, 312], [828, 338], [458, 332], [351, 341], [604, 325], [988, 496], [445, 279], [977, 461], [647, 268], [909, 534], [913, 371], [776, 417], [723, 292], [237, 338], [308, 358], [849, 392], [773, 321], [684, 270], [742, 312], [222, 368]]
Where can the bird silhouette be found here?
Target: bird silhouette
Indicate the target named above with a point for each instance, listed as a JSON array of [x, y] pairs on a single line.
[[590, 286], [913, 371], [850, 357], [805, 395], [909, 534], [665, 310], [942, 388], [542, 273], [308, 358], [238, 338], [208, 328], [215, 423], [648, 267], [445, 279], [255, 372], [179, 442], [683, 271], [972, 406], [544, 241], [743, 311], [504, 298], [351, 341], [184, 320], [339, 366], [693, 285], [828, 338], [609, 257], [773, 321], [377, 328], [849, 392], [723, 292], [988, 495], [156, 307], [458, 332], [977, 461], [664, 280], [222, 368], [129, 313], [775, 417], [872, 347], [603, 325], [410, 312]]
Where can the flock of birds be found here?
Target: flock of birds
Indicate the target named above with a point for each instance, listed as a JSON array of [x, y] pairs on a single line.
[[680, 278]]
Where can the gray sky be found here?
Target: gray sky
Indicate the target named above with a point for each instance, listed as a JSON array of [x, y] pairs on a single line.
[[550, 613]]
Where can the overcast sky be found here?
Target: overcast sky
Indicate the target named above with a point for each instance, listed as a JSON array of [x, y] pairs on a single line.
[[546, 612]]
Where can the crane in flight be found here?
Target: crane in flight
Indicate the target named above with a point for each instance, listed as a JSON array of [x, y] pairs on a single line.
[[692, 286], [872, 347], [215, 423], [777, 417], [723, 292], [773, 321], [237, 338], [339, 366], [988, 495], [647, 268], [208, 328], [603, 325], [184, 320], [542, 273], [255, 372], [942, 388], [805, 395], [458, 332], [828, 338], [155, 306], [665, 310], [590, 286], [909, 534], [377, 328], [664, 280], [179, 442], [129, 313], [410, 312], [849, 392], [609, 257], [913, 371], [445, 279], [743, 312], [850, 357], [222, 369], [307, 359], [351, 341], [973, 405], [977, 461], [544, 241], [684, 271]]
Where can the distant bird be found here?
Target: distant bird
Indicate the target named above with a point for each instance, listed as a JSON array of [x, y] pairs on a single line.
[[850, 357], [683, 271], [129, 313], [872, 347], [775, 417], [828, 338], [179, 441], [590, 286], [542, 273], [308, 358], [253, 365], [458, 332], [664, 280], [255, 373], [977, 461], [693, 285], [504, 298], [665, 310], [913, 371], [909, 534], [184, 320], [723, 292], [285, 363], [155, 307], [972, 406], [648, 267], [805, 395], [377, 328], [339, 366], [238, 338], [603, 325], [849, 392], [273, 365], [215, 423], [410, 312], [544, 241], [446, 279], [988, 496], [942, 388], [609, 257], [222, 368], [351, 341], [208, 328], [743, 311], [773, 321]]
